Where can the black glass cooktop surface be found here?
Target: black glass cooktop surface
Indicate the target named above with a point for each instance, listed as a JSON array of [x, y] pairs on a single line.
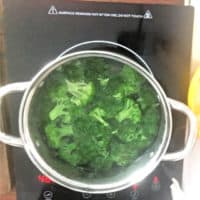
[[37, 31]]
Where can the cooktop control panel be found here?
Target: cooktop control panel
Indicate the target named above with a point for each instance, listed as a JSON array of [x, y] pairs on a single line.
[[33, 185], [151, 188]]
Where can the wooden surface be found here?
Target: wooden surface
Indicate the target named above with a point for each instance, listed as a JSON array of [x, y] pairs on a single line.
[[5, 184], [9, 196]]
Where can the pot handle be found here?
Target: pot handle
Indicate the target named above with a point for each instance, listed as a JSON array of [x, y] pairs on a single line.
[[5, 90], [191, 131], [106, 42]]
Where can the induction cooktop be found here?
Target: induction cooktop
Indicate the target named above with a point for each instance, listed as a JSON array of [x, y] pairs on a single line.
[[37, 31]]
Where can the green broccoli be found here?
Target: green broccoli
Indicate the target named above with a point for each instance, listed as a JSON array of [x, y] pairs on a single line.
[[59, 110], [81, 92], [103, 81], [58, 92], [132, 77], [147, 98], [130, 111], [98, 114], [124, 90], [151, 120], [130, 83], [55, 134], [122, 154], [68, 153]]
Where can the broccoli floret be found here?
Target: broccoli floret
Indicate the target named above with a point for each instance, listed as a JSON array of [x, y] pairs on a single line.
[[101, 163], [58, 93], [59, 110], [122, 154], [123, 91], [130, 132], [151, 121], [131, 83], [118, 96], [81, 92], [68, 153], [55, 134], [130, 111], [131, 77], [103, 81], [98, 114]]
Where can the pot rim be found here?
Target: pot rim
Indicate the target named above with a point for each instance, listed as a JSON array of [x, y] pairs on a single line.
[[57, 177]]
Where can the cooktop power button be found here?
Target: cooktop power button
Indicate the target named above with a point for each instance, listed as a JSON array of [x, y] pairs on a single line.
[[48, 195], [110, 195], [86, 195], [134, 195]]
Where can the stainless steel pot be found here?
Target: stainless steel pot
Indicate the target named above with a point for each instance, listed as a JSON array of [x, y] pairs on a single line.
[[66, 176]]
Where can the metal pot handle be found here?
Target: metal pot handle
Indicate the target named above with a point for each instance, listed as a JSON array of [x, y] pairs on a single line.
[[191, 131], [91, 42], [5, 90]]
